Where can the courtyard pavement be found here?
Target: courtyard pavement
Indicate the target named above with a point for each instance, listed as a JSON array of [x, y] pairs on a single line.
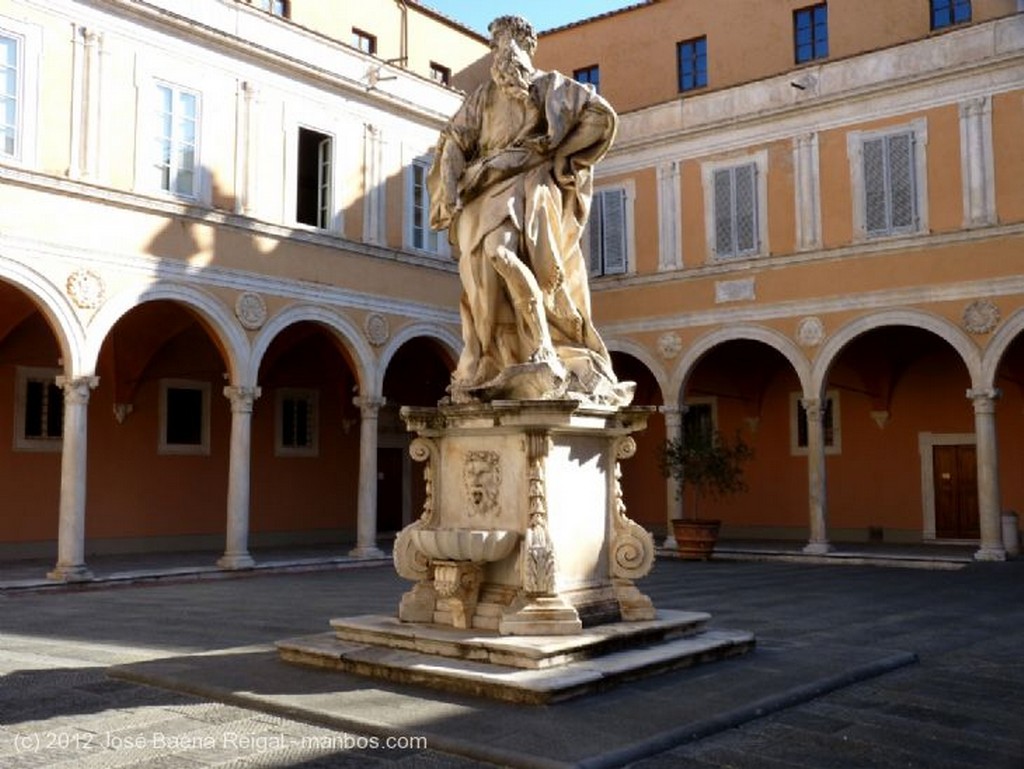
[[856, 666]]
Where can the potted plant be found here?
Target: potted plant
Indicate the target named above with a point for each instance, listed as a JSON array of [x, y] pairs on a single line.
[[712, 466]]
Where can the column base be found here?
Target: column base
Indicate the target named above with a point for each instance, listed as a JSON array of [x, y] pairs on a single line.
[[990, 554], [818, 548], [366, 551], [541, 615], [235, 561], [670, 542], [77, 573]]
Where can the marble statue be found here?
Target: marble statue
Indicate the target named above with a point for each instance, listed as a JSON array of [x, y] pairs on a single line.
[[512, 182]]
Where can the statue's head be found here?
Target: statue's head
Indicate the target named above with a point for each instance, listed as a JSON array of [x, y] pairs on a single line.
[[515, 27], [513, 42]]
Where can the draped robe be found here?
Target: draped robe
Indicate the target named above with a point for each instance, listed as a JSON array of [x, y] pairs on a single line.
[[525, 165]]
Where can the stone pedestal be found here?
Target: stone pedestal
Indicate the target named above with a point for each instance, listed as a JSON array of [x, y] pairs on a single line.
[[542, 477]]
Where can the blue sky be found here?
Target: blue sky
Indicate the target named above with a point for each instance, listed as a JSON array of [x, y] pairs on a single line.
[[543, 14]]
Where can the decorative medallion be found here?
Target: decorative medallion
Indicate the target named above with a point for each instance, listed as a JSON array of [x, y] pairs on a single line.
[[669, 345], [85, 288], [810, 332], [482, 476], [981, 316], [377, 328], [251, 310]]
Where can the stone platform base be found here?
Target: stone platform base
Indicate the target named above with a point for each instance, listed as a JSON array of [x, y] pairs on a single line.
[[522, 669]]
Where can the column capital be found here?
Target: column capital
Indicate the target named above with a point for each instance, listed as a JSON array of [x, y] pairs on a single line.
[[814, 408], [242, 398], [77, 389], [984, 399], [368, 405]]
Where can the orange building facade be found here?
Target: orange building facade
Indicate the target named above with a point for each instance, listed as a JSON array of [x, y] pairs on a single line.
[[217, 285]]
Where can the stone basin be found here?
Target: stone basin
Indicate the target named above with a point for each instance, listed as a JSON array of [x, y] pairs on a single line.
[[477, 545]]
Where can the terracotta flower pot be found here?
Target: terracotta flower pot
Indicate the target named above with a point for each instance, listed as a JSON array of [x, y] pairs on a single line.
[[695, 539]]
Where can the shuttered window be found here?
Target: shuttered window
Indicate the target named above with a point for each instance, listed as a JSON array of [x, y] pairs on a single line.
[[606, 232], [9, 107], [735, 196], [890, 193]]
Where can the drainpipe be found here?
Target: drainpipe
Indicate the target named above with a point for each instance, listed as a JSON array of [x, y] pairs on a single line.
[[403, 50]]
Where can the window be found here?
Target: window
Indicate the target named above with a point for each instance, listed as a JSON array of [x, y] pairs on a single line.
[[736, 210], [10, 78], [277, 7], [606, 232], [39, 415], [591, 75], [313, 204], [830, 423], [297, 415], [699, 423], [946, 13], [176, 150], [420, 236], [184, 417], [364, 41], [440, 74], [810, 33], [693, 63]]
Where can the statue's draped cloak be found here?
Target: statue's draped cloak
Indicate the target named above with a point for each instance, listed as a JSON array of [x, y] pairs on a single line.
[[537, 177]]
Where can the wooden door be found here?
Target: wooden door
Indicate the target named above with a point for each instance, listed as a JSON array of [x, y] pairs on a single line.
[[956, 492]]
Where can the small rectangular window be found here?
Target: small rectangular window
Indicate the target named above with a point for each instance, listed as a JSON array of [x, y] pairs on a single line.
[[10, 78], [422, 237], [591, 75], [176, 140], [39, 410], [699, 423], [440, 73], [735, 198], [297, 423], [364, 41], [947, 13], [605, 235], [829, 419], [276, 7], [313, 193], [184, 417], [692, 58], [810, 33]]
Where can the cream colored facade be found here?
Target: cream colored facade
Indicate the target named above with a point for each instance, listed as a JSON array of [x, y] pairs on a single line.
[[270, 277]]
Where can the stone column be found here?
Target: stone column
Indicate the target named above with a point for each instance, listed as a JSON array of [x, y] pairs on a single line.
[[236, 551], [989, 513], [71, 533], [366, 526], [817, 485], [673, 499]]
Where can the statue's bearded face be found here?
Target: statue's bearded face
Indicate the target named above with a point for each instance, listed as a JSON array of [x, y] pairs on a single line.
[[511, 68]]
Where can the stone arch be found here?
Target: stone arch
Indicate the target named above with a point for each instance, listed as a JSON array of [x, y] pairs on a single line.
[[55, 307], [997, 347], [452, 342], [837, 342], [347, 332], [774, 339], [220, 321], [644, 356]]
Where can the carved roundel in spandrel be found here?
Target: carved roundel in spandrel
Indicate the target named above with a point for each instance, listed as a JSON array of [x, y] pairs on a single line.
[[85, 288], [251, 310], [981, 316]]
